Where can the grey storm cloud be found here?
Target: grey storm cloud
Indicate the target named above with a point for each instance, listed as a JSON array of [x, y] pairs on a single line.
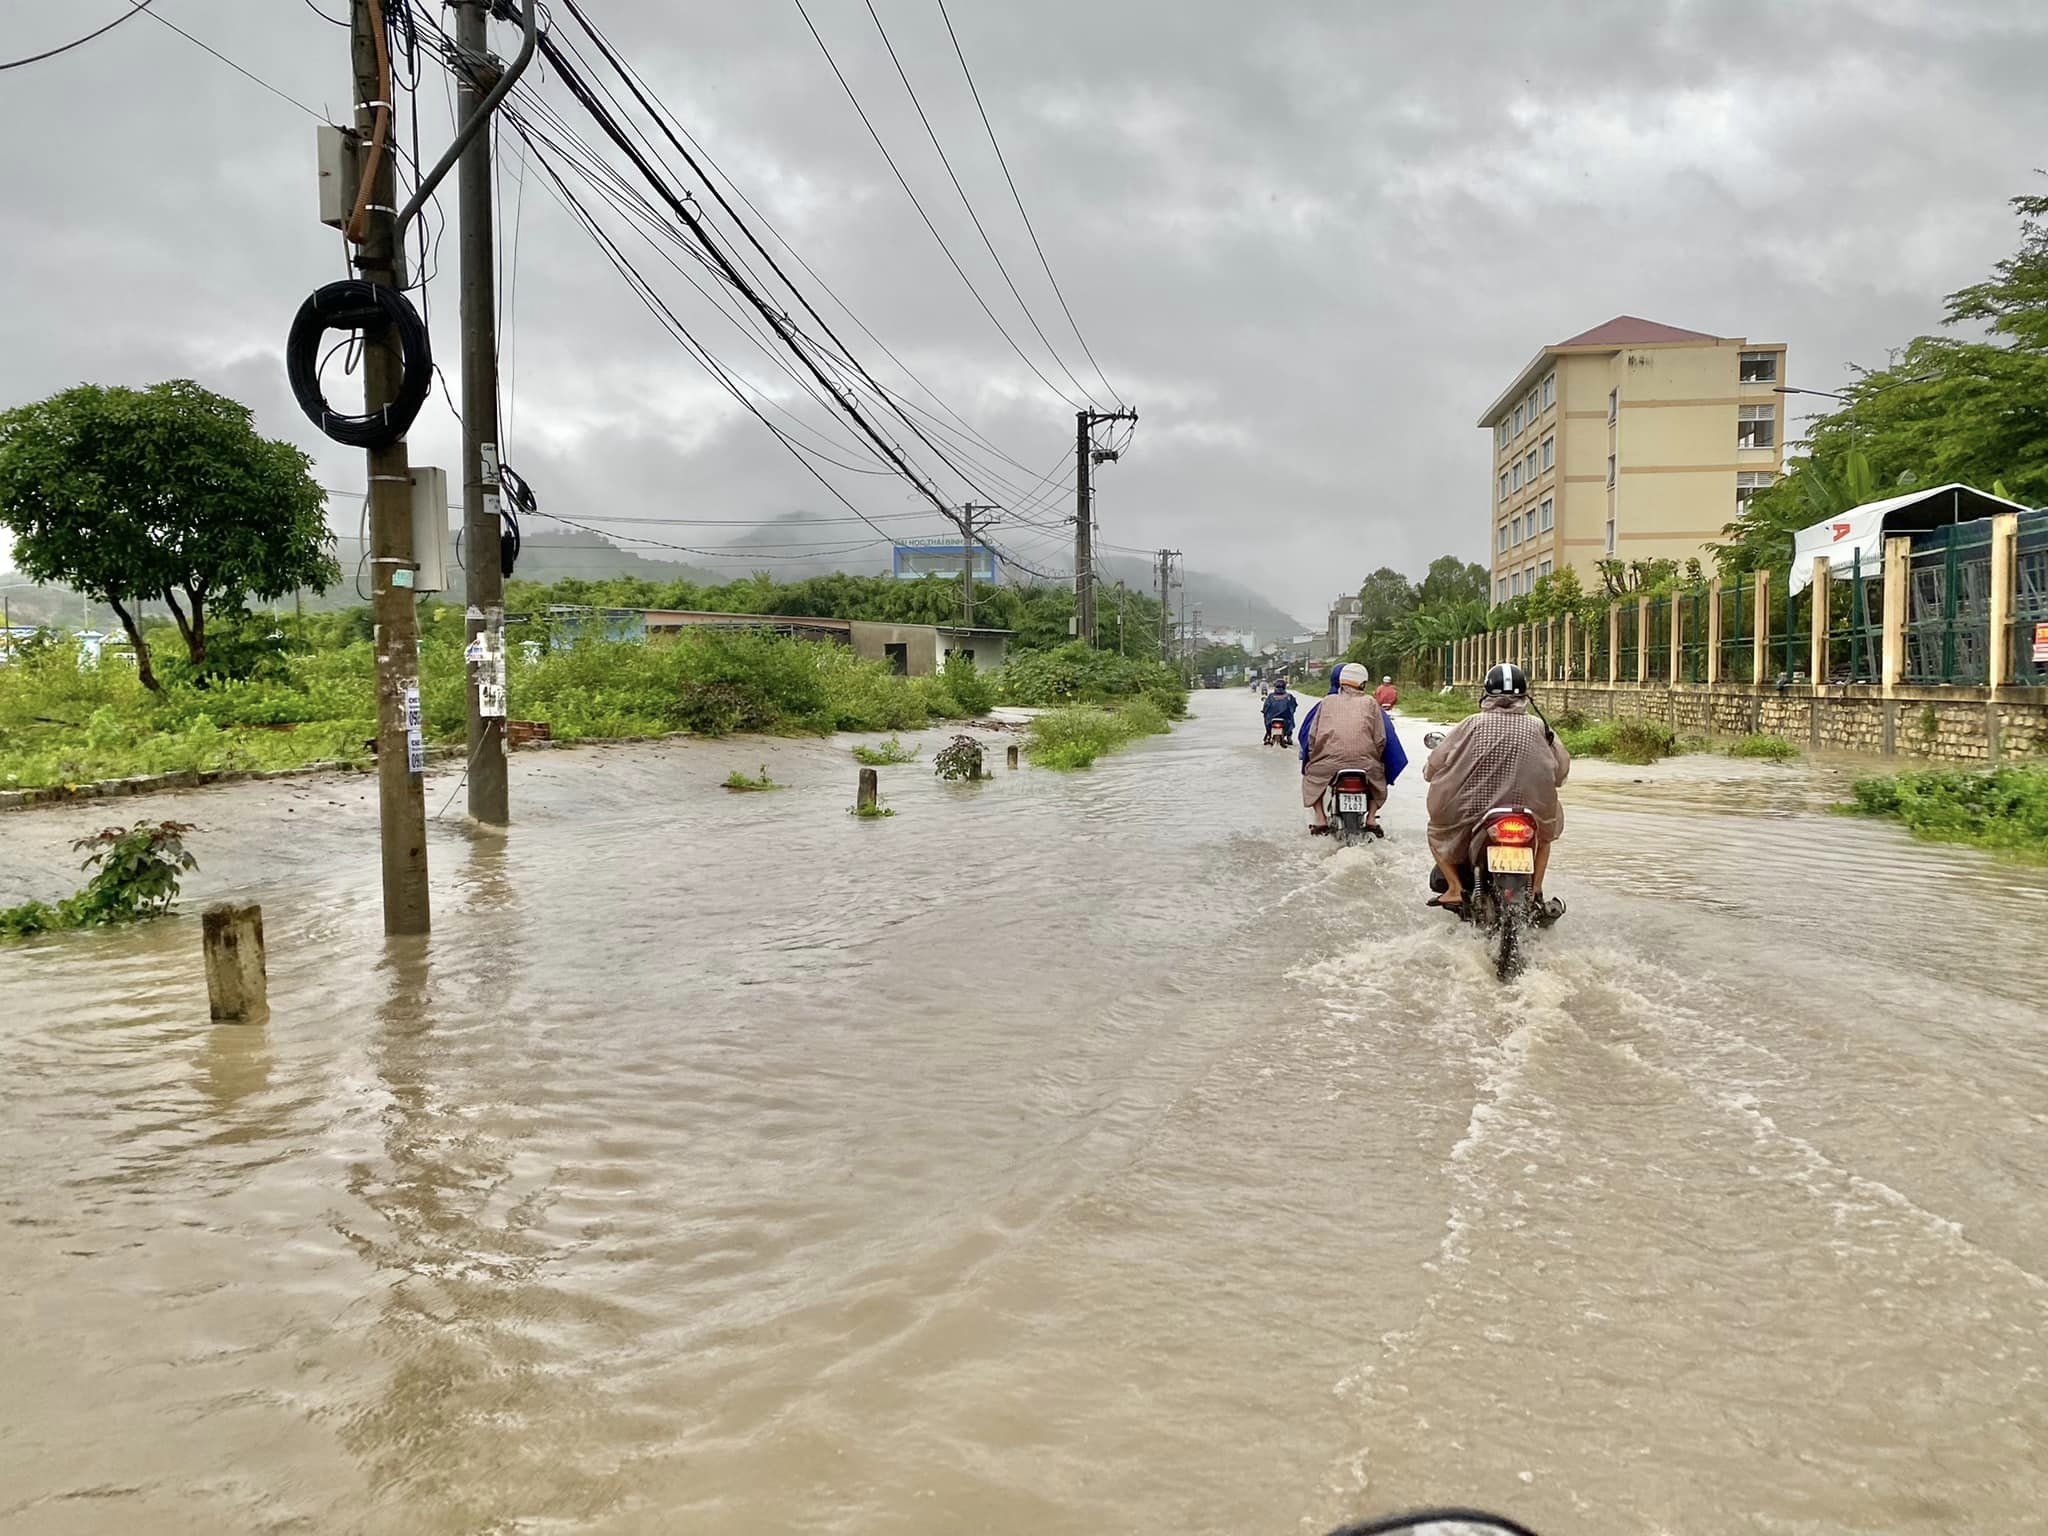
[[1308, 240]]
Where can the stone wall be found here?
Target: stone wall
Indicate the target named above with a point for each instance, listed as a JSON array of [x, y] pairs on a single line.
[[1946, 725]]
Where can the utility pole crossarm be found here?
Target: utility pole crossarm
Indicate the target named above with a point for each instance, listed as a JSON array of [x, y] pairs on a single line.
[[1085, 423]]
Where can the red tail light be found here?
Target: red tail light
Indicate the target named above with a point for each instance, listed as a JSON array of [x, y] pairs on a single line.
[[1351, 784], [1512, 832]]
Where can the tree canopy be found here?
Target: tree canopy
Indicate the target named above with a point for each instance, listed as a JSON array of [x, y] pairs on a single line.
[[165, 493], [1946, 408]]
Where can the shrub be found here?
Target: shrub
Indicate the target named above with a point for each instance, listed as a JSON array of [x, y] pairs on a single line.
[[889, 752], [1771, 748], [2005, 808], [136, 875], [972, 693], [1622, 741], [747, 781], [959, 758], [1079, 674]]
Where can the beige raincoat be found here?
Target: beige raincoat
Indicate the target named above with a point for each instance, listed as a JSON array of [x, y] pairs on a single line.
[[1350, 732], [1501, 756]]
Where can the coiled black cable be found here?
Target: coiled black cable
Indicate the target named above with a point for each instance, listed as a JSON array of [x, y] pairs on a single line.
[[518, 499], [370, 308]]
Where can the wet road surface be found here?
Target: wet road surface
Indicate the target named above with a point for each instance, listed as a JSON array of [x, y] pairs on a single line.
[[1065, 1154]]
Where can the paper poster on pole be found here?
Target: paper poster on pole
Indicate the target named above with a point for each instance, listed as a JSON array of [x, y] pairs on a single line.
[[415, 737], [2041, 642]]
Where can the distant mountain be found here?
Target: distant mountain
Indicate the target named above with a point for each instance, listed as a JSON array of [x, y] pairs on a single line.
[[1225, 604]]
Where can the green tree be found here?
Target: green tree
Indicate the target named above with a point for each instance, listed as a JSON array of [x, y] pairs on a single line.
[[1451, 581], [165, 493]]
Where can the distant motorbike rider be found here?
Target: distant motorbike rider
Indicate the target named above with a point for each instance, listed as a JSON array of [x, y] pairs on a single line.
[[1348, 730], [1387, 694], [1502, 756], [1280, 705]]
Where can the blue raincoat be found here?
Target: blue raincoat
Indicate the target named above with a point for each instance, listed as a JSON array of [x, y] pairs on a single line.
[[1394, 757]]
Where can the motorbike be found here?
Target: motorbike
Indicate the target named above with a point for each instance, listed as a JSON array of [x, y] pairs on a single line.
[[1499, 880], [1276, 732], [1427, 1522], [1346, 803]]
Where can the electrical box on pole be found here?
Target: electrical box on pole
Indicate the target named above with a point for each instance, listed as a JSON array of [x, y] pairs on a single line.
[[430, 550], [340, 173]]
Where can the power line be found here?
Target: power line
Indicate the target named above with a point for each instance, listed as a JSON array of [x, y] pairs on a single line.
[[1003, 161], [931, 134], [928, 224], [51, 53], [140, 5]]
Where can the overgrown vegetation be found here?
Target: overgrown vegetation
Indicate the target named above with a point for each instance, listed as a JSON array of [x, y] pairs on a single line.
[[136, 875], [1622, 741], [873, 812], [2005, 808], [1774, 749], [959, 759], [887, 755], [747, 781], [1069, 739]]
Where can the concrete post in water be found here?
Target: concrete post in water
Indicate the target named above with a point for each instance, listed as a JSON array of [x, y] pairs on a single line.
[[1760, 652], [1013, 758], [2005, 535], [864, 799], [1817, 657], [1713, 634], [1896, 578], [237, 988], [1642, 640]]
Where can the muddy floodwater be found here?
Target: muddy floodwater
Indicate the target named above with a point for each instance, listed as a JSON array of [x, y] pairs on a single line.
[[1067, 1154]]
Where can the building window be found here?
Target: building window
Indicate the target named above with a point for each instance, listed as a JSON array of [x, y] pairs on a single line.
[[1549, 390], [1529, 467], [1756, 426], [1610, 535], [1610, 471], [1521, 418], [1500, 590], [1515, 476], [1500, 539], [1543, 569], [1515, 535], [1747, 483], [1614, 402], [1546, 515], [1549, 452], [1503, 485], [1759, 368], [1500, 433]]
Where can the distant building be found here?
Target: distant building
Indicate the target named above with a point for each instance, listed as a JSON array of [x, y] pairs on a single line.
[[917, 558], [1634, 441], [1344, 616]]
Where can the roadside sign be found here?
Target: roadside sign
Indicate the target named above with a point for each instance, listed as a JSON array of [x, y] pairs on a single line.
[[2041, 642]]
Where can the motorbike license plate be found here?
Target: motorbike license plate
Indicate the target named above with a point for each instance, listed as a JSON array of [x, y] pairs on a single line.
[[1511, 861], [1351, 802]]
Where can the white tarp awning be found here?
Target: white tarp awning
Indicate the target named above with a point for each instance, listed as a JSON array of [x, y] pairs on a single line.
[[1856, 538]]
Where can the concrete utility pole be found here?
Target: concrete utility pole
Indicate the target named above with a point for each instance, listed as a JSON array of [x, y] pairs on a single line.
[[401, 800], [483, 575], [1085, 457], [1164, 567], [967, 511]]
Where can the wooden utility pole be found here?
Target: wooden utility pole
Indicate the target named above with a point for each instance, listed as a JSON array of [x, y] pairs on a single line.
[[1085, 423], [401, 800], [483, 575]]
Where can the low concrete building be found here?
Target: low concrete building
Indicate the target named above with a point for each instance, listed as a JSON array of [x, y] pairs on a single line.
[[911, 650]]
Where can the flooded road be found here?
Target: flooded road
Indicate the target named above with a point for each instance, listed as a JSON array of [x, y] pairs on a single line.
[[1067, 1154]]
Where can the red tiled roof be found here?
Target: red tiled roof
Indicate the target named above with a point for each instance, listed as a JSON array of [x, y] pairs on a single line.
[[1629, 330]]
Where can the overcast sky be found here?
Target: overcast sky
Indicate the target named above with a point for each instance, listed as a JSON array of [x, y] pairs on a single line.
[[1310, 241]]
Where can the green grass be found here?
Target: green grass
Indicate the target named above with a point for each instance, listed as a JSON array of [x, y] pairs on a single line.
[[747, 781], [1447, 707], [1070, 739], [1621, 741], [1774, 749], [886, 755], [2004, 808], [873, 812]]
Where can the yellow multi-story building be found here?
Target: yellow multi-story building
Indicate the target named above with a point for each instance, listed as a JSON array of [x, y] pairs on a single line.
[[1631, 441]]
